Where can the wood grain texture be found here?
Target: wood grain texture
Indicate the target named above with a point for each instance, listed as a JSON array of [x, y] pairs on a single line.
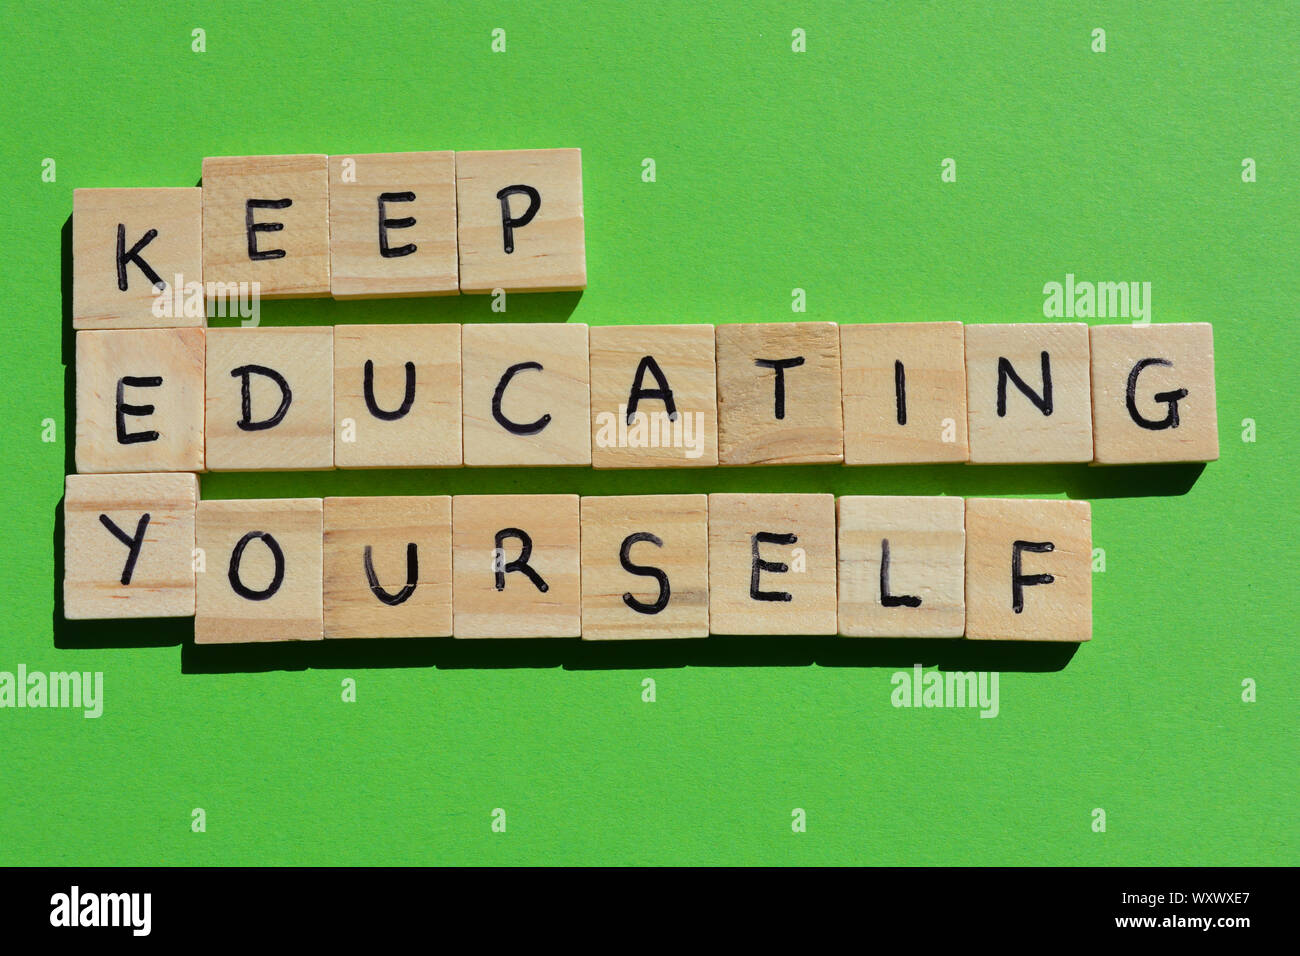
[[388, 526], [684, 354], [175, 215], [137, 358], [304, 438], [925, 541], [292, 611], [928, 425], [549, 253], [358, 268], [734, 521], [1059, 610], [428, 435], [807, 425], [95, 560], [680, 523], [519, 608], [1192, 434], [1025, 434], [559, 389], [229, 182]]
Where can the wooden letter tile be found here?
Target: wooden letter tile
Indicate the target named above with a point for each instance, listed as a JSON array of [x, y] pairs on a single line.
[[128, 546], [124, 242], [140, 400], [1028, 570], [1015, 417], [266, 221], [520, 220], [1153, 393], [772, 564], [779, 394], [261, 577], [636, 370], [388, 567], [393, 225], [904, 393], [526, 395], [516, 566], [397, 396], [902, 566], [645, 567], [270, 399]]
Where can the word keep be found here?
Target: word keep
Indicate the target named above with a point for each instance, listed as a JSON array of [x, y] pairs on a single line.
[[600, 568], [369, 396], [364, 226]]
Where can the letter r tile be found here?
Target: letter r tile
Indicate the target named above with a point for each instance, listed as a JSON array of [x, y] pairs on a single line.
[[516, 566]]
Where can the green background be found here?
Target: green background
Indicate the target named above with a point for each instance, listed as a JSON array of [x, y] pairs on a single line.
[[776, 170]]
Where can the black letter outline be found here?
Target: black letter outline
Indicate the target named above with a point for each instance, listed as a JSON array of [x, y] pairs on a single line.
[[368, 392], [664, 393], [1006, 371], [246, 422], [237, 555], [123, 409], [509, 225], [900, 391], [887, 599], [757, 565], [252, 228], [1018, 580], [394, 252], [515, 428], [133, 543], [780, 365], [1171, 399], [625, 559], [501, 568], [412, 577], [125, 255]]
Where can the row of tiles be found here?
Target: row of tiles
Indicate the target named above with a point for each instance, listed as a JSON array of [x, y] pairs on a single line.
[[627, 567], [361, 226], [368, 396]]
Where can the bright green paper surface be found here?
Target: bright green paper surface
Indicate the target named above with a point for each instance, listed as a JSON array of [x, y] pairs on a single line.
[[776, 170]]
